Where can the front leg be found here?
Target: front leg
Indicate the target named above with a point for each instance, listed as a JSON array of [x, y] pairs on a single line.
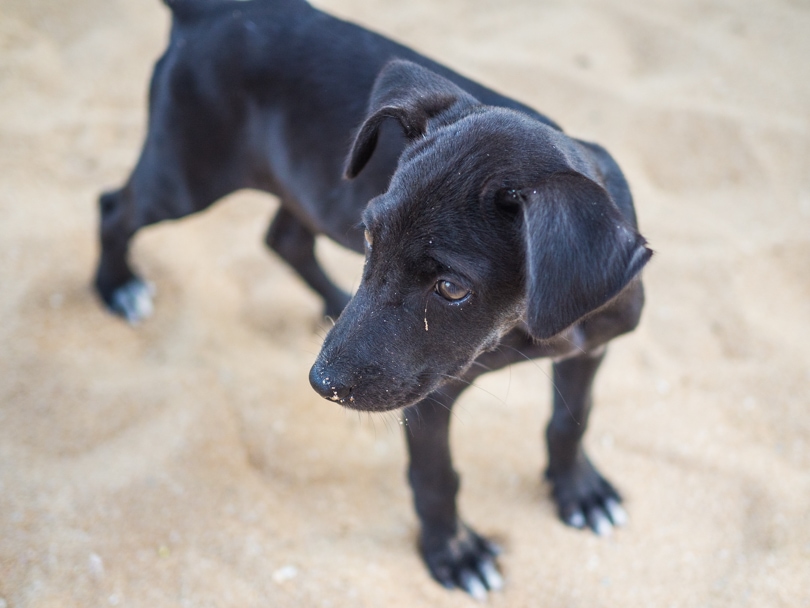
[[582, 495], [453, 552], [291, 240]]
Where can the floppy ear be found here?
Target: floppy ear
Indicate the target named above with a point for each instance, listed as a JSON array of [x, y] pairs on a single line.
[[580, 251], [412, 95]]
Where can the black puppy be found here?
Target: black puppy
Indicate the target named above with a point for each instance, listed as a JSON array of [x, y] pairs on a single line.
[[490, 236]]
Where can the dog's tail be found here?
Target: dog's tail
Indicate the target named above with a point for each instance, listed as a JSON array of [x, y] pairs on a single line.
[[189, 11]]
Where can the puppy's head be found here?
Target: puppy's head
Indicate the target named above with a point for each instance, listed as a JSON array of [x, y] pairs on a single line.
[[491, 220]]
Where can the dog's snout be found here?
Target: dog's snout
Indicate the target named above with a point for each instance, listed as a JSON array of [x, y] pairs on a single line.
[[328, 385]]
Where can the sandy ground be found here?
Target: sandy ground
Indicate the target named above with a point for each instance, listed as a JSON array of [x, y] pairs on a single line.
[[187, 462]]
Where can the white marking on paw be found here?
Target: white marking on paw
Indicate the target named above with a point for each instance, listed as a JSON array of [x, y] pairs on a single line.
[[473, 586], [576, 519], [601, 524], [133, 301], [491, 575], [616, 512]]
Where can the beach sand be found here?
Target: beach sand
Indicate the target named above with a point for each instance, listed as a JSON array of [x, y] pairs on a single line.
[[187, 461]]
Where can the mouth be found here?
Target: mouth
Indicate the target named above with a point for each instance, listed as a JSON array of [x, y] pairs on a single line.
[[374, 405], [379, 397], [341, 400], [387, 396]]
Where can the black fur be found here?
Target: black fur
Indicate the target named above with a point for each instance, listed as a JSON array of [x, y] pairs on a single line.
[[492, 237]]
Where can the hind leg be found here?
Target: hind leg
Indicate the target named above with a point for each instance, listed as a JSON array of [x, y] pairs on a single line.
[[123, 292], [148, 197], [291, 240]]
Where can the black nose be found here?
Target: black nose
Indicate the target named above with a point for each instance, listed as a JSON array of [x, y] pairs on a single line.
[[328, 386]]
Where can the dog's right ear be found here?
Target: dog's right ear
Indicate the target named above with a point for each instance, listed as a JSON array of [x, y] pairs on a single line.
[[412, 95]]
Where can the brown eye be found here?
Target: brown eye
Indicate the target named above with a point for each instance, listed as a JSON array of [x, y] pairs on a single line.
[[450, 291]]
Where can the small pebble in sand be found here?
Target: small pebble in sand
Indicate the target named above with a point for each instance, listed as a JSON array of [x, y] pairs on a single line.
[[283, 574], [96, 566]]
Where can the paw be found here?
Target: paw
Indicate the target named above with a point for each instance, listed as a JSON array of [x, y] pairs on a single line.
[[464, 560], [133, 300], [585, 498]]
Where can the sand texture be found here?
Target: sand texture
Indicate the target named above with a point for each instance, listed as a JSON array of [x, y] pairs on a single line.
[[187, 462]]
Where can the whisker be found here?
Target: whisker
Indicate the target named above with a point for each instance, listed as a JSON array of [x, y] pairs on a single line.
[[373, 423], [581, 350], [551, 379], [509, 384], [395, 416], [479, 364], [453, 412], [473, 384], [418, 418]]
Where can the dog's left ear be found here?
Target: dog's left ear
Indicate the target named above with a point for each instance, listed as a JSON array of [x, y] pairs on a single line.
[[580, 251], [412, 95]]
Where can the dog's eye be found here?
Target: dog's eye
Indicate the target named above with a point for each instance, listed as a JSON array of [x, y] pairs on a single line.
[[450, 291], [369, 239]]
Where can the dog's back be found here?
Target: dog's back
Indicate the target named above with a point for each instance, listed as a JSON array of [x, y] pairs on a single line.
[[274, 90]]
